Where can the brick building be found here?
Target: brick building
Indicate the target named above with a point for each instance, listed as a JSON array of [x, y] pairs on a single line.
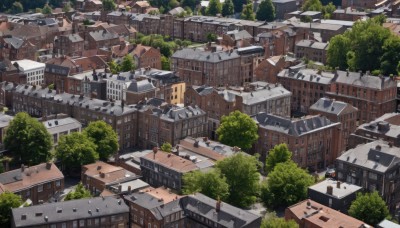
[[312, 139], [58, 127], [373, 96], [97, 212], [254, 98], [268, 69], [146, 56], [161, 122], [161, 208], [56, 75], [386, 127], [283, 7], [373, 166], [337, 111], [307, 86], [100, 39], [10, 73], [311, 214], [38, 183], [71, 45], [311, 50], [16, 48]]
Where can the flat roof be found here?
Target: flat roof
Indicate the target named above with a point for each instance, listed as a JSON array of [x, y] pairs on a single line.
[[344, 190], [27, 64]]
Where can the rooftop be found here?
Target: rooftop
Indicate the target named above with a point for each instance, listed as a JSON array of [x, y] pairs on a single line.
[[344, 189], [309, 75], [108, 174], [365, 80], [332, 106], [68, 211], [388, 124], [312, 44], [205, 56], [61, 125], [27, 65]]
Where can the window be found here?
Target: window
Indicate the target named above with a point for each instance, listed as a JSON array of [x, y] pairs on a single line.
[[373, 176], [81, 223], [40, 188], [96, 221], [141, 221], [53, 226], [75, 224], [58, 183], [64, 225], [149, 225]]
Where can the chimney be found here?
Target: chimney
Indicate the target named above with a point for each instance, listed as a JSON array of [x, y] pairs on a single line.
[[129, 189], [338, 184], [360, 72], [196, 143], [119, 188], [22, 168], [329, 190], [218, 205], [102, 175], [48, 165], [155, 150]]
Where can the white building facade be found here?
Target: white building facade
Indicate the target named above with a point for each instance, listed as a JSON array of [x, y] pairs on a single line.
[[33, 70]]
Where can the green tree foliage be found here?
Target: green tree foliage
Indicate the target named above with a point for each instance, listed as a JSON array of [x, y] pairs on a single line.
[[266, 11], [114, 67], [166, 147], [367, 46], [369, 208], [238, 129], [212, 184], [241, 172], [190, 3], [312, 5], [286, 184], [109, 5], [328, 10], [165, 63], [279, 154], [67, 7], [276, 222], [247, 13], [214, 8], [6, 5], [211, 37], [80, 192], [8, 200], [75, 150], [127, 63], [17, 8], [228, 8], [104, 137], [238, 5], [28, 140], [47, 10]]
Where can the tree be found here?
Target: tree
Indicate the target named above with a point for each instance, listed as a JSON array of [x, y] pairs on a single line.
[[166, 147], [212, 184], [274, 222], [114, 67], [369, 208], [8, 200], [47, 9], [75, 150], [104, 137], [17, 8], [328, 10], [211, 37], [67, 7], [279, 154], [338, 48], [391, 56], [266, 11], [238, 129], [312, 5], [227, 8], [127, 63], [247, 13], [214, 8], [241, 172], [80, 192], [28, 140], [109, 5], [239, 5], [286, 184], [165, 63]]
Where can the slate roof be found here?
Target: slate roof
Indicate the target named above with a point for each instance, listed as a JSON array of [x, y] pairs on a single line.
[[239, 35], [69, 210], [312, 44], [376, 156], [75, 38], [364, 80], [140, 86], [57, 69], [15, 42], [299, 73], [294, 127], [103, 35], [390, 121], [205, 56], [176, 113], [331, 106], [176, 11]]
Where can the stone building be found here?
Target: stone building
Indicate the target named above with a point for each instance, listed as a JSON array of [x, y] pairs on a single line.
[[312, 139]]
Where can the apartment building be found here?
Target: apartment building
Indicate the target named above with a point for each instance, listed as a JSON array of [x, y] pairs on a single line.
[[311, 50], [337, 111], [159, 208], [93, 212], [39, 183], [373, 166], [56, 75], [100, 39], [10, 73], [306, 85], [117, 85], [255, 97], [386, 127], [16, 48], [33, 70], [62, 126], [268, 69], [373, 96], [161, 122], [71, 45], [312, 139]]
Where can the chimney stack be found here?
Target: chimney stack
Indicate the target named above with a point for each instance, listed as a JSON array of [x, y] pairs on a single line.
[[218, 205], [22, 168], [329, 190], [338, 184], [48, 165], [119, 188], [155, 150], [129, 189]]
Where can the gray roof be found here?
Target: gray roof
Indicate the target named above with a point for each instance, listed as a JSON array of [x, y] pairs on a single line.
[[312, 44], [14, 41], [64, 211], [205, 56], [57, 69], [388, 224], [5, 120], [330, 106], [103, 35], [176, 10], [388, 121], [176, 113], [203, 90], [55, 126], [140, 86], [75, 38], [295, 127], [376, 156], [365, 80], [309, 75], [339, 193], [239, 35]]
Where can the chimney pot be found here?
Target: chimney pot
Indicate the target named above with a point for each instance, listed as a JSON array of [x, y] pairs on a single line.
[[22, 168], [338, 184], [48, 165], [218, 205], [329, 190]]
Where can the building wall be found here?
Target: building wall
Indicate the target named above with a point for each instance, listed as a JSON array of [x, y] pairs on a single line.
[[42, 192]]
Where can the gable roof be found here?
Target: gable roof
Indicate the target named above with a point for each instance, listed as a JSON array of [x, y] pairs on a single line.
[[332, 106]]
